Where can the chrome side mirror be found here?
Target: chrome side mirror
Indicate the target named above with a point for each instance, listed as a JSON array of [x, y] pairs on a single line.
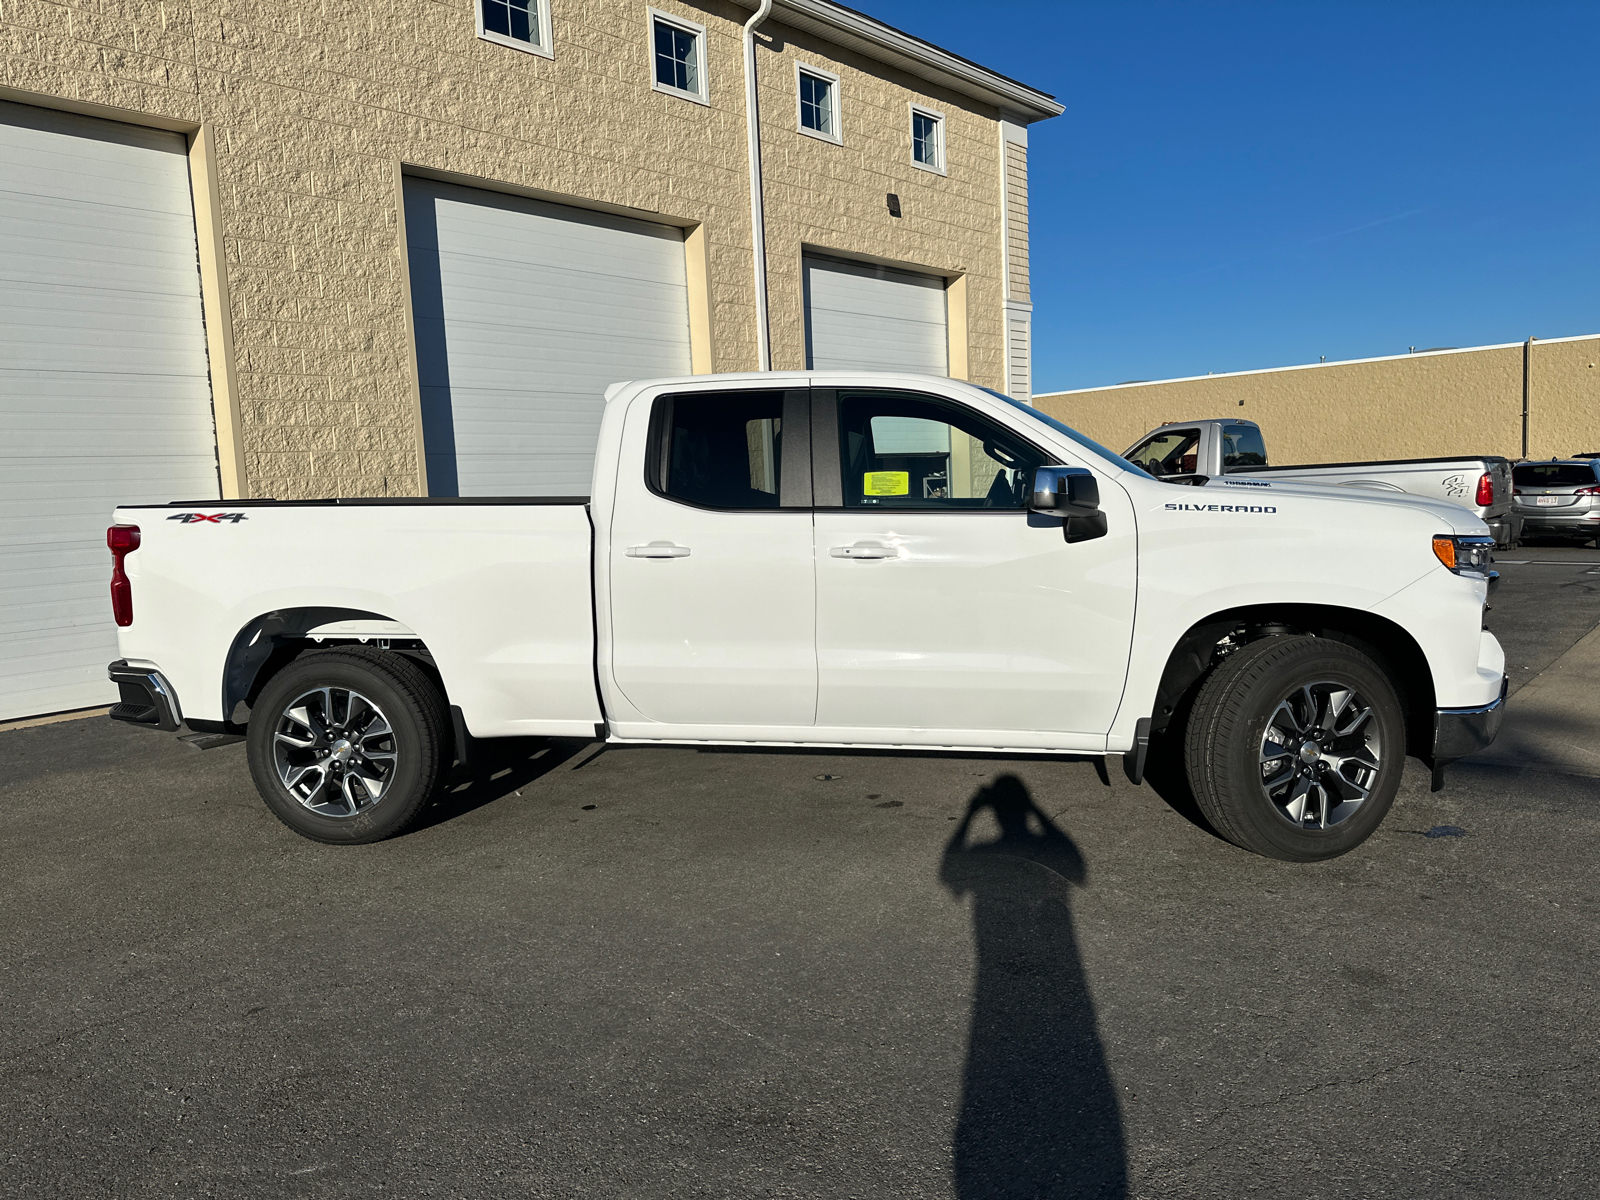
[[1065, 491], [1072, 493]]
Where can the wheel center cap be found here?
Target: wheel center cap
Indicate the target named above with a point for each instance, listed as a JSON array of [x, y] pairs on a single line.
[[341, 750], [1310, 752]]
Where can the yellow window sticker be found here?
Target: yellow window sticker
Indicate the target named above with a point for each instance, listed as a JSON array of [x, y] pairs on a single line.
[[886, 483]]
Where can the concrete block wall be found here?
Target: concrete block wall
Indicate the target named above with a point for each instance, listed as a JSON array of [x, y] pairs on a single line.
[[1411, 406], [834, 197], [316, 104]]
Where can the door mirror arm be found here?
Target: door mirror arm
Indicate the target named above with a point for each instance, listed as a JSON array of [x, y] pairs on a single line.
[[1072, 493]]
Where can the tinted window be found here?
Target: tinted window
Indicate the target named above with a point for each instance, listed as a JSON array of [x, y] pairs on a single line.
[[1242, 447], [1552, 475], [722, 451], [901, 450], [1175, 452]]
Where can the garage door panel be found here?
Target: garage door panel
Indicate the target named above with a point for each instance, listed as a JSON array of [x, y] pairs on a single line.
[[561, 301], [525, 312], [53, 332], [104, 385], [66, 157], [496, 360], [864, 317]]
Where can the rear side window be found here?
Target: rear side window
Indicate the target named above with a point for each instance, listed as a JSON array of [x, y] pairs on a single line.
[[1553, 475], [1174, 452], [721, 450], [1242, 447]]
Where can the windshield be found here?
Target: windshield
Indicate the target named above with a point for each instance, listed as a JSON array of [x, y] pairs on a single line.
[[1088, 444]]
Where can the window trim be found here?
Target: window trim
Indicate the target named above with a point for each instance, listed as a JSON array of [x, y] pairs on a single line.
[[653, 15], [837, 136], [937, 118], [546, 44]]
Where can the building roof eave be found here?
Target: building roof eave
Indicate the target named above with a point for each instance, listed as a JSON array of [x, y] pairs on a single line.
[[866, 35]]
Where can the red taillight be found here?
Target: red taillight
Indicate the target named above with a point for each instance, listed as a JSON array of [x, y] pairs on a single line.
[[123, 540], [1485, 490], [1590, 491]]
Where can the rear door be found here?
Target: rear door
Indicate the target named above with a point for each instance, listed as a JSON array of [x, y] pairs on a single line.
[[943, 606], [712, 592]]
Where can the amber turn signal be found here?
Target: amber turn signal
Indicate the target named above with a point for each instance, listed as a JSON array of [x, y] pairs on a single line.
[[1444, 549]]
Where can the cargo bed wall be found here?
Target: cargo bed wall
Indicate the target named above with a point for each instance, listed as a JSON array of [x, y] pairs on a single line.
[[501, 594]]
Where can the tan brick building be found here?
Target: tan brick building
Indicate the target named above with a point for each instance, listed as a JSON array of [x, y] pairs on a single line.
[[1533, 399], [263, 248]]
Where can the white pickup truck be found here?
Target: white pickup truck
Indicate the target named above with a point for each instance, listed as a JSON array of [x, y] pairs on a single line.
[[889, 561], [1182, 451]]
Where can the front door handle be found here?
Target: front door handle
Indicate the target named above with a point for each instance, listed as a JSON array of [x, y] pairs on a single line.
[[658, 550], [865, 550]]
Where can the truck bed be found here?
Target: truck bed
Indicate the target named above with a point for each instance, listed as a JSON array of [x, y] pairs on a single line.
[[497, 590]]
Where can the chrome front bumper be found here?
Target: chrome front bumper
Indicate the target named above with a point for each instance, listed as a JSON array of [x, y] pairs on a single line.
[[1458, 732]]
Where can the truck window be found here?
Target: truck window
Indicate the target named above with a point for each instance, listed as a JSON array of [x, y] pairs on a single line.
[[903, 450], [1171, 452], [1242, 447], [720, 450]]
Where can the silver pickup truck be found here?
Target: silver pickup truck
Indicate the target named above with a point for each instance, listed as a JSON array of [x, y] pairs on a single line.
[[1182, 451]]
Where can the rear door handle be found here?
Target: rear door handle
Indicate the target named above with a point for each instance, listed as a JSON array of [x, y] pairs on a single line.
[[658, 550], [865, 550]]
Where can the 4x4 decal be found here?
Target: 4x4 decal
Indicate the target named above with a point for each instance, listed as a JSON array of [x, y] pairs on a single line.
[[189, 518]]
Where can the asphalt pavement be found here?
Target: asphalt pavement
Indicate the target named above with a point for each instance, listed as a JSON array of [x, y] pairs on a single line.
[[672, 973]]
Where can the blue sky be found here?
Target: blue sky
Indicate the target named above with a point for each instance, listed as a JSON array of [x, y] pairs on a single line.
[[1241, 185]]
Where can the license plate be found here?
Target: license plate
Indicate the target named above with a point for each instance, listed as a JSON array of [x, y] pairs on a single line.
[[1547, 501]]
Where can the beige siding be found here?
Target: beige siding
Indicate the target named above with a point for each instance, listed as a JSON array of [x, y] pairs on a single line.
[[1019, 352], [1017, 219], [315, 107], [1460, 402]]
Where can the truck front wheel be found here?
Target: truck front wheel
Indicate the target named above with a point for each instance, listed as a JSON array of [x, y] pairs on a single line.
[[346, 745], [1295, 746]]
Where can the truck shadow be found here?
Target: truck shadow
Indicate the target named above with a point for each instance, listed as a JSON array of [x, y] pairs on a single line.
[[1039, 1112], [498, 767]]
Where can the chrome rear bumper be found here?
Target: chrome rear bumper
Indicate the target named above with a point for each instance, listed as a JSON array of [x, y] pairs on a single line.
[[146, 697]]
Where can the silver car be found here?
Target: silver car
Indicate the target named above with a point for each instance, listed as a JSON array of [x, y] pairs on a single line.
[[1560, 497]]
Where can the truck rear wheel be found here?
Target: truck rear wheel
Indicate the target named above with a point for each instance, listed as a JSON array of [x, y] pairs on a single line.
[[346, 745], [1295, 747]]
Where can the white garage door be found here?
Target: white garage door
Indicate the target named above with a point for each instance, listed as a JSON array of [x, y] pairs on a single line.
[[862, 317], [525, 313], [104, 393]]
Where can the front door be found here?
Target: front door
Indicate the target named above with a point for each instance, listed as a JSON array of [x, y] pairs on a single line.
[[712, 595], [942, 603]]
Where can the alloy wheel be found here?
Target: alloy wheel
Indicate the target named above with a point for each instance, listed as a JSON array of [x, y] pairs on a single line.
[[1320, 755], [335, 751]]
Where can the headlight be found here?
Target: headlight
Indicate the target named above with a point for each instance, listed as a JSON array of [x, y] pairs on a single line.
[[1464, 555]]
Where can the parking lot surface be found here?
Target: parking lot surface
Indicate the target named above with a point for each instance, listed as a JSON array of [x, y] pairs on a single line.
[[666, 972]]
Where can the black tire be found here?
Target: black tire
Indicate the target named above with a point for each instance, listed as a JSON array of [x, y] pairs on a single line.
[[1225, 758], [408, 703]]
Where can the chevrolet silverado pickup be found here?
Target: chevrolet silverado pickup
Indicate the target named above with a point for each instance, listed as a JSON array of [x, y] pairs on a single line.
[[1184, 451], [824, 559]]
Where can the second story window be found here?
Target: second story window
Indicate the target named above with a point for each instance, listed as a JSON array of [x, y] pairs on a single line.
[[927, 139], [677, 52], [520, 24], [819, 102]]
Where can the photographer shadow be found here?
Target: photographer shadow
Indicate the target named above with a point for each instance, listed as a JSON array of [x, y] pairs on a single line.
[[1039, 1112]]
